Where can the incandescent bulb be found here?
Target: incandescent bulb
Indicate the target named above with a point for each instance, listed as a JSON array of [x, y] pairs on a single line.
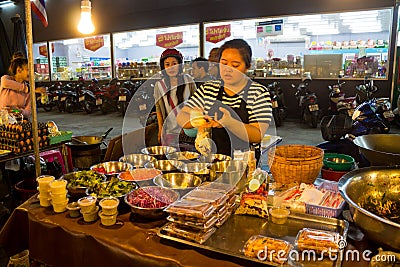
[[85, 25]]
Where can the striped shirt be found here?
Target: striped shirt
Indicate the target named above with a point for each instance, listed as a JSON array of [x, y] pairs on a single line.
[[258, 103]]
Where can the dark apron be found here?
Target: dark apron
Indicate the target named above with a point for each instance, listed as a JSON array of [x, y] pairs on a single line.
[[225, 141]]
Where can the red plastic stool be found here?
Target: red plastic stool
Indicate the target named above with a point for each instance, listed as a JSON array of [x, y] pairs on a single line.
[[53, 155]]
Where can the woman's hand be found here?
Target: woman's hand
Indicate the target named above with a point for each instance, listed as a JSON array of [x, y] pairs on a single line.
[[225, 120]]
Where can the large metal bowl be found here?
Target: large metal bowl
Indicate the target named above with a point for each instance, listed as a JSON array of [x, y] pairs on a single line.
[[111, 167], [165, 195], [137, 160], [166, 165], [159, 152], [181, 182], [185, 156], [212, 158], [199, 169], [372, 182], [380, 149]]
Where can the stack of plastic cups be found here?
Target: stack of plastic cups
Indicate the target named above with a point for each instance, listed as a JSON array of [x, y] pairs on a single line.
[[58, 193], [89, 209], [44, 189], [109, 210]]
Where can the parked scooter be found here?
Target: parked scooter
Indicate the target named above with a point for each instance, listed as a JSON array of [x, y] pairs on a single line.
[[75, 96], [107, 98], [381, 106], [53, 92], [143, 104], [338, 103], [127, 90], [308, 102], [277, 101]]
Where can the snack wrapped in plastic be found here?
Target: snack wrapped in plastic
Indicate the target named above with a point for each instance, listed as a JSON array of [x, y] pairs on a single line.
[[191, 225], [320, 241], [228, 189], [53, 129], [267, 249], [217, 199], [196, 236], [191, 210]]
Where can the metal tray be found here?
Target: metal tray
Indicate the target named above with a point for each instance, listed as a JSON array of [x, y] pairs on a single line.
[[233, 234]]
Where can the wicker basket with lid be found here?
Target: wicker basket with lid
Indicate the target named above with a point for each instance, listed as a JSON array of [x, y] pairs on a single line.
[[295, 163]]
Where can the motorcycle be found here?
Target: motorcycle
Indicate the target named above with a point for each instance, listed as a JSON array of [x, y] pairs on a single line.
[[278, 106], [143, 104], [126, 92], [53, 92], [338, 103], [382, 105], [107, 97], [308, 102], [74, 94]]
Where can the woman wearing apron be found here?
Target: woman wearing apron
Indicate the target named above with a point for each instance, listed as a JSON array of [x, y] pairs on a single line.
[[236, 108]]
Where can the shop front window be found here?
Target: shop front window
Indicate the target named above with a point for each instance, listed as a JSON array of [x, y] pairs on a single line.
[[40, 62], [88, 57], [137, 53], [353, 44]]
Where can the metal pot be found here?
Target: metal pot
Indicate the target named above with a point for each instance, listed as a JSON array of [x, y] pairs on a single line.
[[87, 142], [372, 182], [380, 149]]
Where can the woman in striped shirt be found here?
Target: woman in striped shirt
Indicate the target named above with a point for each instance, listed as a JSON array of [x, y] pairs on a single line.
[[236, 108]]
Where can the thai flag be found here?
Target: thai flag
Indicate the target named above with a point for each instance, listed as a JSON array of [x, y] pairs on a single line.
[[38, 7]]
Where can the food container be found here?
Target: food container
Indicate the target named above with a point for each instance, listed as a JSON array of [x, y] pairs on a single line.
[[319, 241], [109, 205], [191, 210], [338, 162], [74, 209], [57, 198], [80, 182], [150, 201], [87, 204], [185, 156], [111, 167], [166, 165], [137, 160], [60, 206], [212, 158], [197, 236], [142, 176], [362, 187], [181, 182], [159, 152], [108, 219], [91, 216], [279, 215], [323, 210], [199, 226], [58, 186], [278, 250], [44, 201], [199, 169], [44, 182], [217, 199]]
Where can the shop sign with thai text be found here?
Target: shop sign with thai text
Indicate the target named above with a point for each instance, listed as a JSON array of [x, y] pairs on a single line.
[[215, 34], [169, 40], [94, 43], [43, 50]]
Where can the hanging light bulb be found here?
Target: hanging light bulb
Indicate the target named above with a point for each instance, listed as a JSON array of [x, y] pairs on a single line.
[[85, 25]]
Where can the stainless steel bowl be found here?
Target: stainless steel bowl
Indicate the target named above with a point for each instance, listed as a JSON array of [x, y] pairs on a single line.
[[182, 182], [137, 160], [185, 156], [373, 183], [168, 196], [199, 169], [166, 165], [212, 158], [111, 167], [159, 152], [380, 149]]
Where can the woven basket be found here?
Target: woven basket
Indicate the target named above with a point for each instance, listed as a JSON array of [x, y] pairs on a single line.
[[295, 163]]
